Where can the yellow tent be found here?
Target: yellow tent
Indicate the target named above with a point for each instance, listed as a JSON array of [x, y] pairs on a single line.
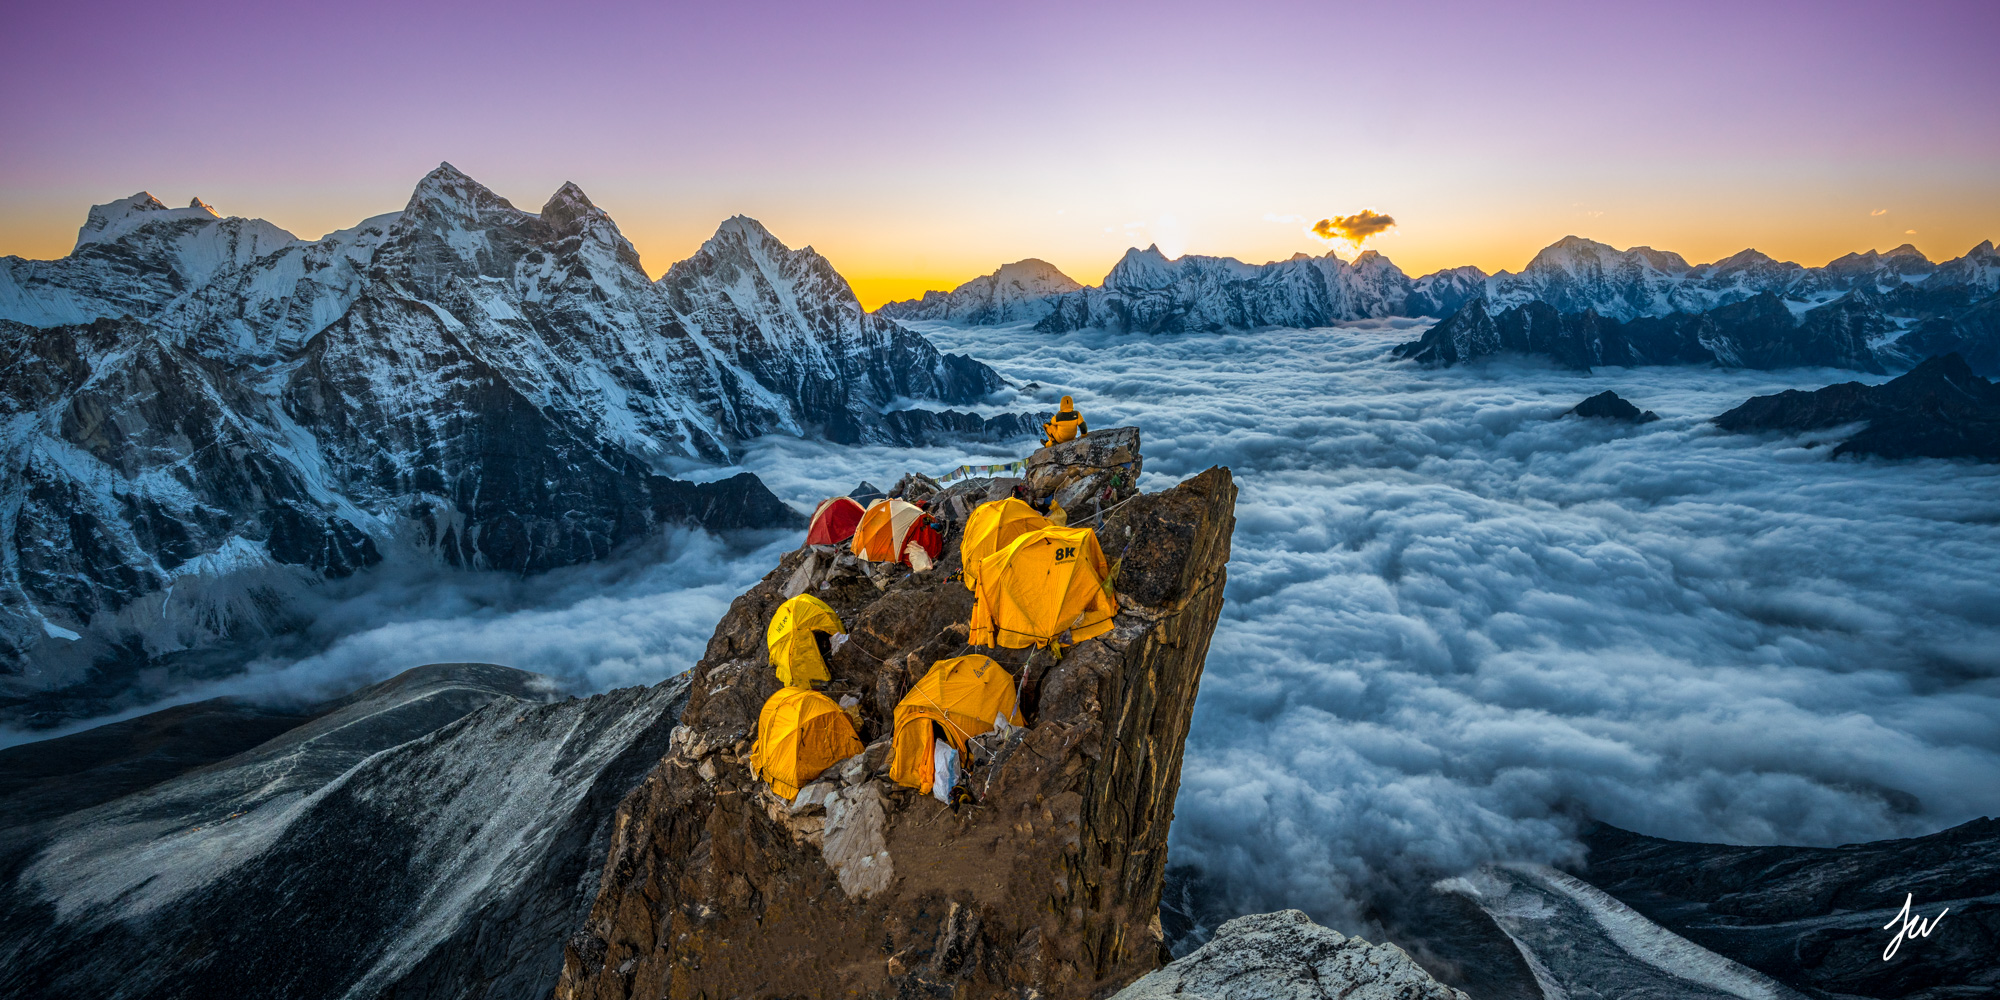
[[1046, 583], [794, 654], [800, 733], [992, 527], [961, 696]]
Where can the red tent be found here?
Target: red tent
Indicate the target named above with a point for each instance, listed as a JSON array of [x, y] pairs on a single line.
[[833, 521]]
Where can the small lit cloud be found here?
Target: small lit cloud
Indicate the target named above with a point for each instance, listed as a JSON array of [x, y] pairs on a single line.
[[1909, 232], [1880, 211], [1352, 228]]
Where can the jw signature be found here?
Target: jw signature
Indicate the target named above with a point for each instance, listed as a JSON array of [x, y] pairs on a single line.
[[1909, 927]]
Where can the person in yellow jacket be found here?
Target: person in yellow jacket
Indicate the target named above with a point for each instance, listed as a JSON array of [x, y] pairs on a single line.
[[1067, 425]]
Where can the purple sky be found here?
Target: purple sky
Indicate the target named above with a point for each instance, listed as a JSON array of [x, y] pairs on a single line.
[[919, 144]]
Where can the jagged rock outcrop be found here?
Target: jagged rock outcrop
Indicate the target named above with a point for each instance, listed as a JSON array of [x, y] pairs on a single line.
[[1047, 886], [1939, 409], [1267, 956], [1813, 917], [435, 835], [214, 410], [1019, 292], [1608, 405]]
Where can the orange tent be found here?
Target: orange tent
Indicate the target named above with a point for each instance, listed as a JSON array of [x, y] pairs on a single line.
[[800, 733], [992, 527], [962, 697], [833, 522], [895, 531], [1045, 583]]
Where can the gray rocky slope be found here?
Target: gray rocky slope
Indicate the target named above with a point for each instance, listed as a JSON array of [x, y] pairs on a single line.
[[435, 835], [1285, 956], [200, 415]]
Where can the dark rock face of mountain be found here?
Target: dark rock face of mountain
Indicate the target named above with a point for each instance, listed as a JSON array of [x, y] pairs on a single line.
[[204, 415], [1049, 885], [1758, 332], [1937, 410], [1814, 917], [53, 777], [1608, 405], [1973, 334], [435, 835]]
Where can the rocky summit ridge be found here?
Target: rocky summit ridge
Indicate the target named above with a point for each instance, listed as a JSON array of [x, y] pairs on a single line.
[[203, 415], [1047, 885]]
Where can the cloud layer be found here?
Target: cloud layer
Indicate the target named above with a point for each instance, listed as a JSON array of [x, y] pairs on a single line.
[[1457, 627]]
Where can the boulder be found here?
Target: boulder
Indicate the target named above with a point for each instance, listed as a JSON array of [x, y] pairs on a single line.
[[1047, 884], [1266, 956], [1091, 473]]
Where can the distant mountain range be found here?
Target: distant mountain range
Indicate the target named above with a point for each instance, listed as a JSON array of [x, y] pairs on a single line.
[[1580, 302], [201, 412]]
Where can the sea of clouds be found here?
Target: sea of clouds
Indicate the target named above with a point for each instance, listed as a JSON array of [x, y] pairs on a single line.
[[1457, 627]]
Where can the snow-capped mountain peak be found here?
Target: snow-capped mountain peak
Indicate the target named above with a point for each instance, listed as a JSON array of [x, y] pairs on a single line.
[[1018, 291], [568, 205], [447, 200], [112, 221], [1148, 268]]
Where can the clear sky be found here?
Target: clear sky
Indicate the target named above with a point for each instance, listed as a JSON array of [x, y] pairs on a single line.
[[920, 144]]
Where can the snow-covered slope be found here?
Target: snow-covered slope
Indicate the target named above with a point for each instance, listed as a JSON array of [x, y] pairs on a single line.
[[200, 414], [438, 835], [1015, 293], [1579, 941]]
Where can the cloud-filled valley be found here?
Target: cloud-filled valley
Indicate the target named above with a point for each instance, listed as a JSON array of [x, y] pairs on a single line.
[[1457, 627]]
